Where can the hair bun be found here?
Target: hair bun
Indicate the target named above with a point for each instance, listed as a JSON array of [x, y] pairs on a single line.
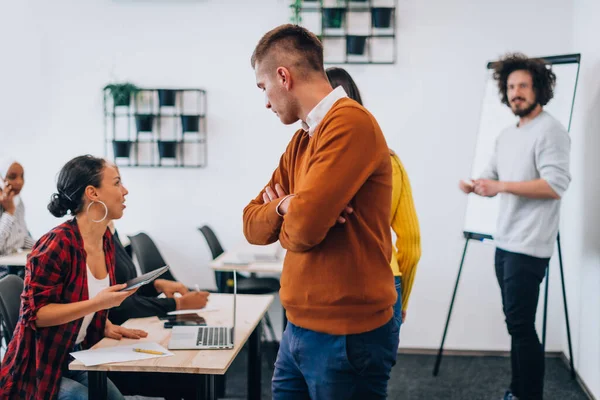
[[59, 205]]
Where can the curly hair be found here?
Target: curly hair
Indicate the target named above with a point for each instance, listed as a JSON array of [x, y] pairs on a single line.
[[543, 77]]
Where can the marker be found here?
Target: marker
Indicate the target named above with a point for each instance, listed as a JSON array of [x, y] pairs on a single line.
[[158, 353], [197, 287]]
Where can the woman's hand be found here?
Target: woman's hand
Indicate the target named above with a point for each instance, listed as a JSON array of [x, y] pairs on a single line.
[[169, 288], [7, 199], [118, 332], [111, 297]]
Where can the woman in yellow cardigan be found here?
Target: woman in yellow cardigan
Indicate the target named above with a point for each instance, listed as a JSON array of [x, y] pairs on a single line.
[[407, 249]]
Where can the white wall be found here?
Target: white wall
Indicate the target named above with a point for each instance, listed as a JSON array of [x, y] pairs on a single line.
[[582, 211], [427, 104]]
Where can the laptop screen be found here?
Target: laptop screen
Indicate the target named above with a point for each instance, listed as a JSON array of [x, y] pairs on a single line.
[[234, 304]]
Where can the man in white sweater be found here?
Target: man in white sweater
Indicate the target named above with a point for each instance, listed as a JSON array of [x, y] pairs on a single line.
[[530, 171]]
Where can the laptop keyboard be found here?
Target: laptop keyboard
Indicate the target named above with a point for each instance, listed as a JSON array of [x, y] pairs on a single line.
[[212, 336]]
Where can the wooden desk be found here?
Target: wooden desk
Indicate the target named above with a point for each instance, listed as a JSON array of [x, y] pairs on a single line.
[[18, 259], [205, 363], [218, 264]]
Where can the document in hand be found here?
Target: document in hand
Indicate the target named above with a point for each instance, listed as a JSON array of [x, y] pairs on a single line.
[[121, 353]]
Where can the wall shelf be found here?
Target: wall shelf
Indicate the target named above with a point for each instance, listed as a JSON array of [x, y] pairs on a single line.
[[352, 32], [156, 128]]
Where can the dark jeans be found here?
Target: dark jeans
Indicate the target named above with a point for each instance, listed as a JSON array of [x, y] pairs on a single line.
[[519, 277], [318, 366]]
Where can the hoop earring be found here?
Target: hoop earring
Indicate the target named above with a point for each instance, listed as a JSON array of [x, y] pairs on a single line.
[[105, 210]]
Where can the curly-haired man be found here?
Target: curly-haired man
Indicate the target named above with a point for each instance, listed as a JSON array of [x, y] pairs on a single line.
[[530, 170]]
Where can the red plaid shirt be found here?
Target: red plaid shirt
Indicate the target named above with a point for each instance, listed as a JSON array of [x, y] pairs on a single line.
[[56, 272]]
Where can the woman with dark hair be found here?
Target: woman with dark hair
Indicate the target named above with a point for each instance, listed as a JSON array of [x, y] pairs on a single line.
[[407, 250], [13, 230], [341, 77], [68, 289]]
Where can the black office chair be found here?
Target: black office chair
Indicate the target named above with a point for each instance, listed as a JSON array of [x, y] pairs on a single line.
[[11, 287], [148, 256], [245, 285]]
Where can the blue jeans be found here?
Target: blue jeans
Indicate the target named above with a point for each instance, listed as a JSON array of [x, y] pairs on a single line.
[[398, 305], [74, 386], [314, 365]]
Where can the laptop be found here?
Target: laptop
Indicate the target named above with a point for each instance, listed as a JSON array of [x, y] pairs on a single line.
[[205, 337]]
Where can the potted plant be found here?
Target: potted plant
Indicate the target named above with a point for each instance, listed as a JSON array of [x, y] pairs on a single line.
[[190, 123], [143, 122], [167, 148], [296, 7], [166, 97], [333, 17], [381, 17], [121, 148], [355, 44], [121, 93]]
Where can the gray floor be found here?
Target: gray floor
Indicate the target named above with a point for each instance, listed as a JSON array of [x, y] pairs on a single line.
[[461, 377]]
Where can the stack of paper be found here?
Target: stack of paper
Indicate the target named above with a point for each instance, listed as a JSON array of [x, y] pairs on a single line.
[[120, 354]]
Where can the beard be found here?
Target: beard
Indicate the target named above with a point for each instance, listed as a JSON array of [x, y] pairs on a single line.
[[523, 112]]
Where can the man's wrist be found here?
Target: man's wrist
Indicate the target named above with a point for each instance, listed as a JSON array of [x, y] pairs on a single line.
[[280, 203]]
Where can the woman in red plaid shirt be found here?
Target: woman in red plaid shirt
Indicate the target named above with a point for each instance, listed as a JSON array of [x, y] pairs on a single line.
[[68, 288]]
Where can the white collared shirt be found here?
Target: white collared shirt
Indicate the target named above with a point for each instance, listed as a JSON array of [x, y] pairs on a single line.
[[316, 115]]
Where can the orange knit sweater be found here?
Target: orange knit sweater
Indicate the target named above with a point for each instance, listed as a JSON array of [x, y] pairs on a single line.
[[336, 277]]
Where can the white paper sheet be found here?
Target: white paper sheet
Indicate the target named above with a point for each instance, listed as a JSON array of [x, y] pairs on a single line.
[[119, 354]]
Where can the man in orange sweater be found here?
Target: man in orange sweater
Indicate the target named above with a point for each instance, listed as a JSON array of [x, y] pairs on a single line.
[[328, 203]]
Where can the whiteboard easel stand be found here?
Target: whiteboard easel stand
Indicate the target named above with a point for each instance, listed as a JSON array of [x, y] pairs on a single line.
[[477, 236]]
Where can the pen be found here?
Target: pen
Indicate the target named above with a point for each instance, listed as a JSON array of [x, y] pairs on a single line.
[[159, 353], [197, 287]]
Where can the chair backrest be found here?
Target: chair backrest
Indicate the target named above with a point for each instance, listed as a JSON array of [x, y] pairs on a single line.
[[147, 255], [221, 277], [213, 243], [11, 287]]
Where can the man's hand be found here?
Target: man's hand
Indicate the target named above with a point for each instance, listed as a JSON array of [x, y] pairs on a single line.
[[118, 332], [169, 288], [192, 301], [270, 195], [6, 199], [487, 187], [347, 211], [466, 186], [277, 194]]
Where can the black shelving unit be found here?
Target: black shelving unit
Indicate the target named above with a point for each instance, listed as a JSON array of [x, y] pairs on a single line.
[[354, 40], [157, 128]]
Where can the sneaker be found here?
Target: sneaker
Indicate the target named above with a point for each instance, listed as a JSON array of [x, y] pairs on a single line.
[[509, 396]]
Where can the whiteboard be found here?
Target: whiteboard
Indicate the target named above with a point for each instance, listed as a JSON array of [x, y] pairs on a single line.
[[482, 212]]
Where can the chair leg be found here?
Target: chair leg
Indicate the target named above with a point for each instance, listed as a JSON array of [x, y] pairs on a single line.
[[270, 327]]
